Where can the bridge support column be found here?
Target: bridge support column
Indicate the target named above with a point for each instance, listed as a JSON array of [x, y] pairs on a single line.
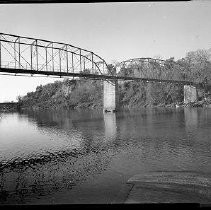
[[110, 95], [190, 94]]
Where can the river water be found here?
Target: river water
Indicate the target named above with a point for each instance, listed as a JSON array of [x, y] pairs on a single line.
[[87, 156]]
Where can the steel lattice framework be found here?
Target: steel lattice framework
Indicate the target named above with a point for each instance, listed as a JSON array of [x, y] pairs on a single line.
[[20, 54], [151, 69]]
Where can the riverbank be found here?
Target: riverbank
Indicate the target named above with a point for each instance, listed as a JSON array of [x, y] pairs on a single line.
[[88, 94], [202, 103]]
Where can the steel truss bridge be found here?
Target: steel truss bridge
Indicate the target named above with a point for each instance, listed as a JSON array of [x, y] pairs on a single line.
[[21, 55]]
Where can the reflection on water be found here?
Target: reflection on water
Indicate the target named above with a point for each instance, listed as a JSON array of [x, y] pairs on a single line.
[[43, 153], [191, 118], [110, 125]]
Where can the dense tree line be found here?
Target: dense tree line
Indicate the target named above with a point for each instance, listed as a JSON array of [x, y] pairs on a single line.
[[86, 93]]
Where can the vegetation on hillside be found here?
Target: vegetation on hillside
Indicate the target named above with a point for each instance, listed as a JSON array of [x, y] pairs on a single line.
[[68, 94], [86, 93]]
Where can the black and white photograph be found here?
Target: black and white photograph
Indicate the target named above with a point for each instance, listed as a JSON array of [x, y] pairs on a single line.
[[105, 103]]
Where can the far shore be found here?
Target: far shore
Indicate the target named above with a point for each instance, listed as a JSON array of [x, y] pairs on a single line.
[[202, 103]]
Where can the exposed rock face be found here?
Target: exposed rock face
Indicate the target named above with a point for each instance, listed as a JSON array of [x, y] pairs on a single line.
[[66, 89]]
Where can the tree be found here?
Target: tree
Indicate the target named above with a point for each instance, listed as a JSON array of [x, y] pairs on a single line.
[[199, 66]]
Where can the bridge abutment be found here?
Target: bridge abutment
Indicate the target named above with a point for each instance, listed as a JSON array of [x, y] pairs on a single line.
[[190, 94], [110, 95]]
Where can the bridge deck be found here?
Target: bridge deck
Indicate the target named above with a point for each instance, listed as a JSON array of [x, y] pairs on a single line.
[[93, 76]]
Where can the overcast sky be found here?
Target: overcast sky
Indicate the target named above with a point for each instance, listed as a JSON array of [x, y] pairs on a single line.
[[115, 31]]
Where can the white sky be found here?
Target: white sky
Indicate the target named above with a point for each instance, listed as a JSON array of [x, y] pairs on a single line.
[[115, 31]]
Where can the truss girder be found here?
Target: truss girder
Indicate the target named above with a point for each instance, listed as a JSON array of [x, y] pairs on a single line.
[[150, 68], [26, 53]]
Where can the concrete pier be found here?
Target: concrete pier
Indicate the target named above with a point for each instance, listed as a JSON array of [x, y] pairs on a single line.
[[110, 96], [190, 94]]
